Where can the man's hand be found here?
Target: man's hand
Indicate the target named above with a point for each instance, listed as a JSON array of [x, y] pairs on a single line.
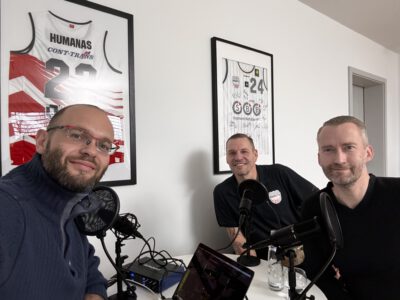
[[239, 241]]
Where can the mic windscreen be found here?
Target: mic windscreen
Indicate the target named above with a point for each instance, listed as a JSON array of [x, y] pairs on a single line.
[[253, 190], [101, 206], [106, 216], [331, 220]]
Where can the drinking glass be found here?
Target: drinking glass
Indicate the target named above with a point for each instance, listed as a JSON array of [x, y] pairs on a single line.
[[301, 279], [274, 270]]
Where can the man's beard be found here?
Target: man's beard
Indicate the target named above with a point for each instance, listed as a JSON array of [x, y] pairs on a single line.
[[343, 180], [57, 169]]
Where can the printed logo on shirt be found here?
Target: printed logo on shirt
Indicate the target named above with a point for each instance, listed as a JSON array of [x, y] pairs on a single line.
[[275, 196], [70, 41]]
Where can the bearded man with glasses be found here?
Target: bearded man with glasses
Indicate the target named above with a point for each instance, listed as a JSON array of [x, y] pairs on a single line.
[[42, 253]]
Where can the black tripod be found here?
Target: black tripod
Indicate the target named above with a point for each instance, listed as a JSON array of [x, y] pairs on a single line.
[[129, 294]]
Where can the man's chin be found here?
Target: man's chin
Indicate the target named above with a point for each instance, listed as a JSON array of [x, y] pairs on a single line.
[[342, 180]]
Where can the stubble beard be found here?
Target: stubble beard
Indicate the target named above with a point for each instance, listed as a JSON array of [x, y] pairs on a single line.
[[344, 181], [57, 169]]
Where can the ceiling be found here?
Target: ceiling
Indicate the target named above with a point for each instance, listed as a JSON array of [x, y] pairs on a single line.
[[378, 20]]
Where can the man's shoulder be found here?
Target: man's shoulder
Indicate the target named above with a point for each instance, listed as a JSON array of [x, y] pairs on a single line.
[[9, 185], [386, 180], [225, 190], [276, 171], [278, 168], [387, 186], [10, 194], [226, 184]]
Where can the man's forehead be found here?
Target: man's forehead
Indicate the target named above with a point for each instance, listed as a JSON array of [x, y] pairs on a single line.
[[334, 135], [96, 123], [241, 143]]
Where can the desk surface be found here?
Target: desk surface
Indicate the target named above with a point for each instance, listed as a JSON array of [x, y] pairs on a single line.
[[258, 290]]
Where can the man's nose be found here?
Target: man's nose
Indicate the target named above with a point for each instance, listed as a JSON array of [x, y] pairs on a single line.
[[90, 147], [340, 156]]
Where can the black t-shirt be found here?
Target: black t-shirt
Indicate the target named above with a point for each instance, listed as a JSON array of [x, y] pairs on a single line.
[[287, 190], [369, 261]]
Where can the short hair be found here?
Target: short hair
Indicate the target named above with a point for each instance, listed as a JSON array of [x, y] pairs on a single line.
[[58, 114], [339, 120], [241, 136]]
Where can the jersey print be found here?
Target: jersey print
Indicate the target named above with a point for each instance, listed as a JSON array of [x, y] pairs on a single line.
[[245, 103], [64, 64]]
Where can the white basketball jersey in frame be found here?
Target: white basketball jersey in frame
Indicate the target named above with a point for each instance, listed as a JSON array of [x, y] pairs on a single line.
[[245, 103], [64, 64]]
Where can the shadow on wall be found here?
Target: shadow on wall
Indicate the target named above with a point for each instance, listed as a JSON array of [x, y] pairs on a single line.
[[205, 228]]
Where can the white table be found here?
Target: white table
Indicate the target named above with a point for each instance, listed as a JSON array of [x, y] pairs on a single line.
[[258, 290]]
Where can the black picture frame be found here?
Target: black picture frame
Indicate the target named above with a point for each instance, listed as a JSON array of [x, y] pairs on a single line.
[[113, 31], [243, 99]]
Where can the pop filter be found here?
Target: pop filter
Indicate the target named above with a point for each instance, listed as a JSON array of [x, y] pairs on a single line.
[[102, 204], [331, 220]]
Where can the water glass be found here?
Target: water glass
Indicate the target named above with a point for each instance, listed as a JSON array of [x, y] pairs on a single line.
[[275, 272], [301, 279]]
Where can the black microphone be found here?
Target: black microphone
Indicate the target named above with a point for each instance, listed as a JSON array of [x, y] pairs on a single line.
[[295, 234], [251, 192], [291, 235], [244, 209], [122, 223]]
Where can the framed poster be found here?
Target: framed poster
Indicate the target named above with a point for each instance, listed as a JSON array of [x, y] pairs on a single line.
[[242, 88], [56, 53]]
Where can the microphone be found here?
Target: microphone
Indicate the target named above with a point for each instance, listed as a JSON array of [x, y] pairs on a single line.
[[292, 235], [295, 234], [125, 224], [251, 191], [244, 209]]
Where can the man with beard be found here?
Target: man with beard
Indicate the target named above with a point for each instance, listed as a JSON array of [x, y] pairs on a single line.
[[42, 253], [286, 188], [368, 265]]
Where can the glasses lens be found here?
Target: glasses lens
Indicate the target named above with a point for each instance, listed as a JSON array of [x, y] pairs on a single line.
[[77, 135], [104, 146]]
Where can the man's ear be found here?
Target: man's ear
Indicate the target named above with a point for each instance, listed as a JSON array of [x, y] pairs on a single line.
[[41, 141], [370, 153]]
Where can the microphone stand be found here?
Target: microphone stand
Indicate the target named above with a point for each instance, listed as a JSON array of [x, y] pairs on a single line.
[[129, 294], [293, 294], [247, 260]]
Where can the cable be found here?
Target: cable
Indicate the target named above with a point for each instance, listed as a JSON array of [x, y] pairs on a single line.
[[142, 285], [231, 242]]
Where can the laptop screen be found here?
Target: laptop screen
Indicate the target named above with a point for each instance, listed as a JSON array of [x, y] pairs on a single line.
[[212, 275]]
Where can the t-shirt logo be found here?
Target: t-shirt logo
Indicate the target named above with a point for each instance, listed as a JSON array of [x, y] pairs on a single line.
[[275, 196]]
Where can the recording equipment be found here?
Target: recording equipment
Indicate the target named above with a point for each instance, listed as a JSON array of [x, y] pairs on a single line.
[[102, 208], [332, 226], [331, 220], [101, 213], [295, 234], [124, 224], [290, 236], [251, 192], [154, 273]]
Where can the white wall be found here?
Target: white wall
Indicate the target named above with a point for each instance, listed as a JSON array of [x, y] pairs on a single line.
[[173, 196]]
